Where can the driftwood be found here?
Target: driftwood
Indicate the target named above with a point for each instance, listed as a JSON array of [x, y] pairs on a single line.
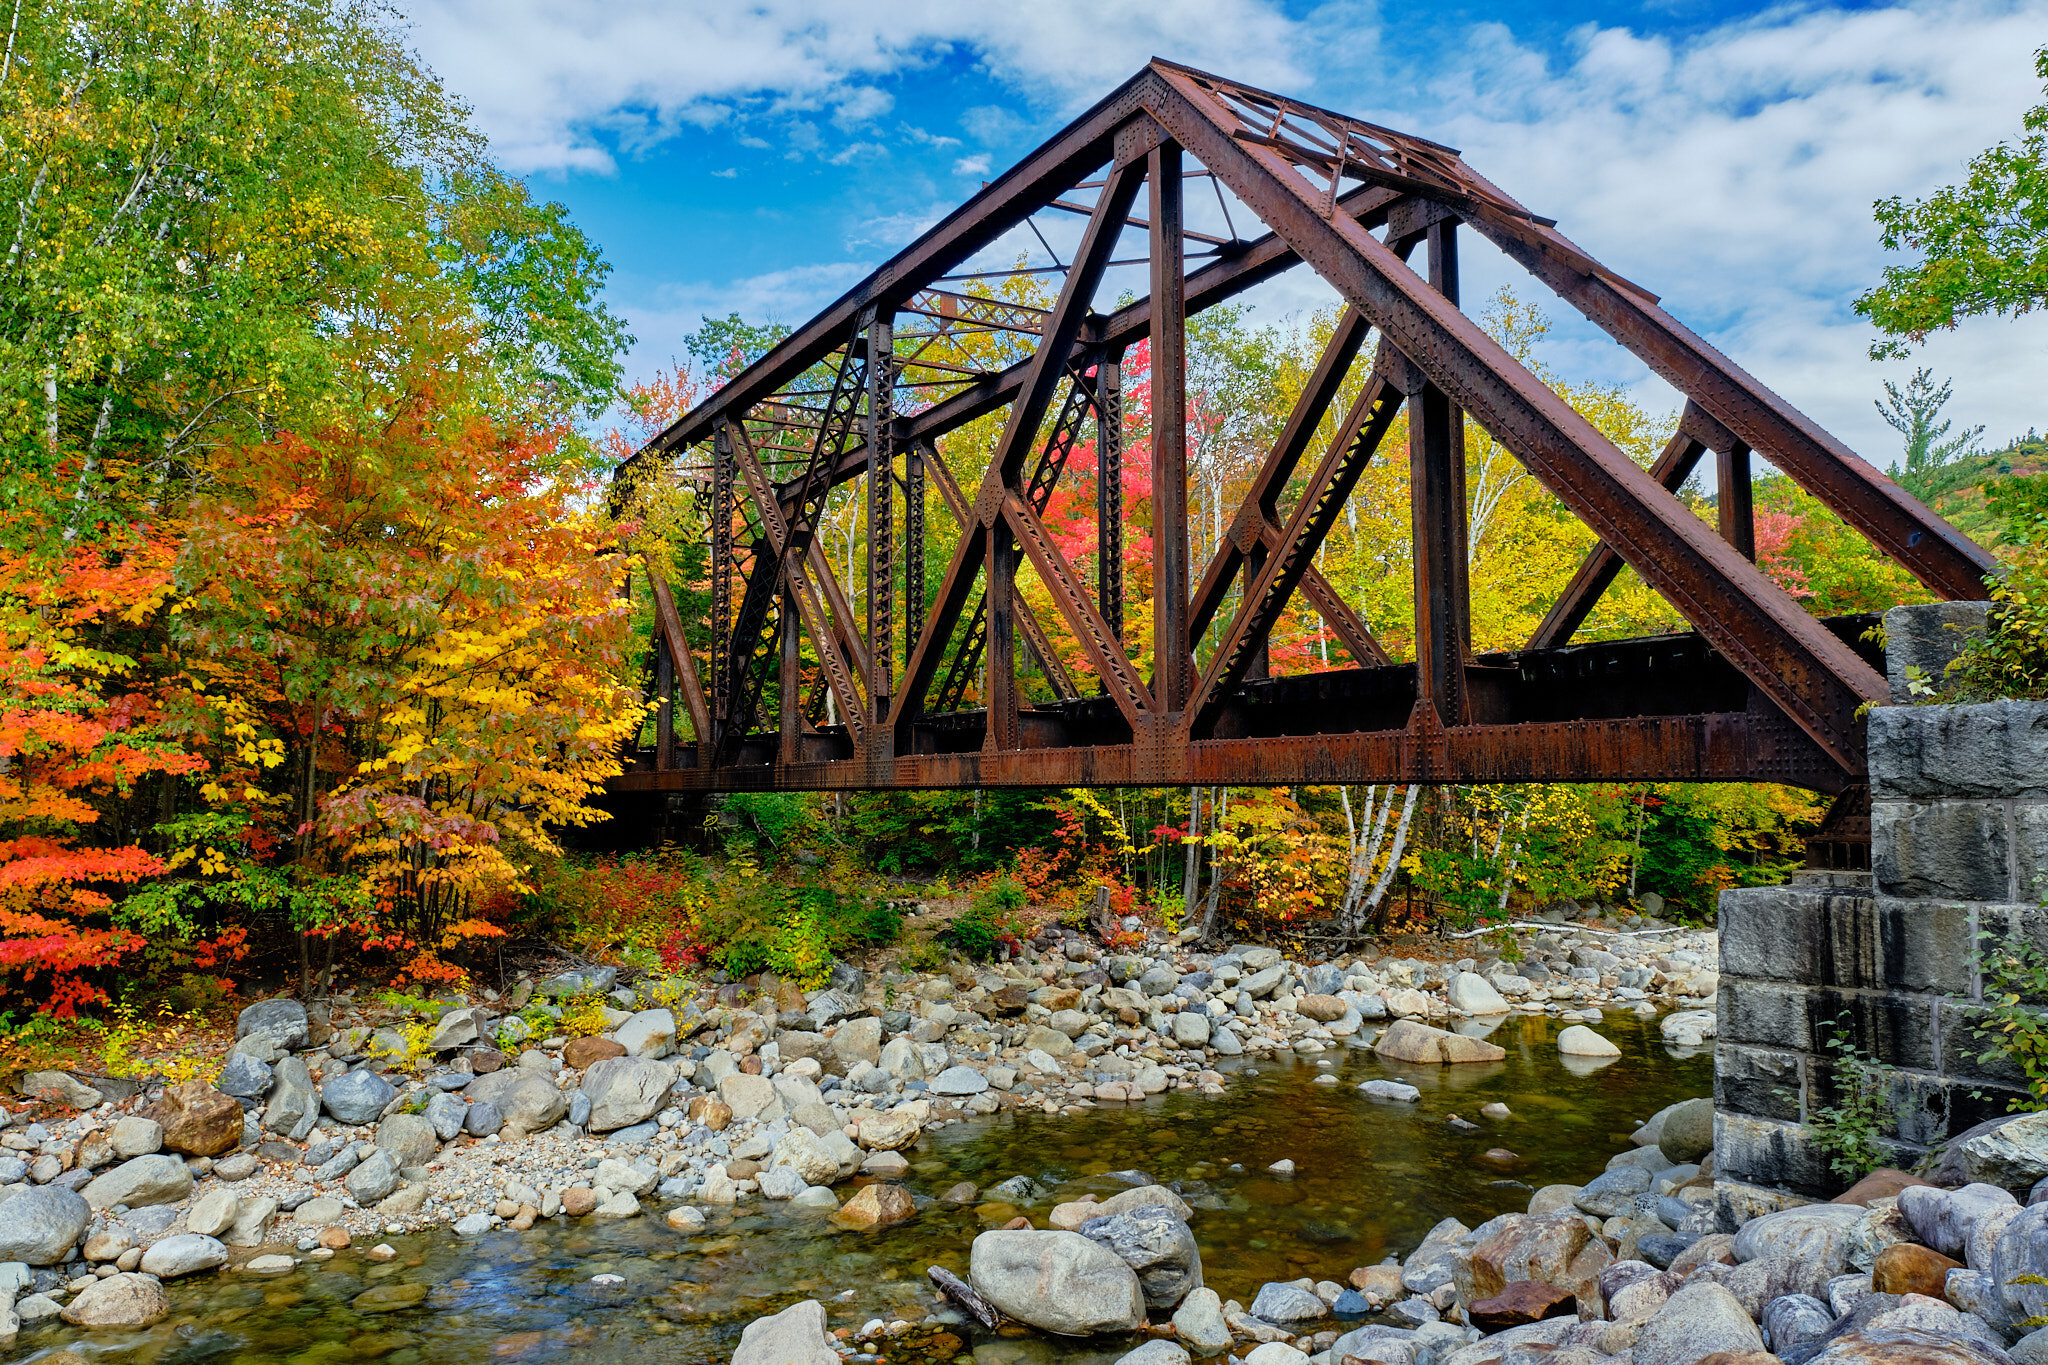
[[961, 1293]]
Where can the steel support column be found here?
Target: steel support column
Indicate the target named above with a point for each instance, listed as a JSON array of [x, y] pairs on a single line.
[[881, 526], [1436, 495], [1172, 661], [1733, 499], [1000, 658], [913, 545], [1109, 493]]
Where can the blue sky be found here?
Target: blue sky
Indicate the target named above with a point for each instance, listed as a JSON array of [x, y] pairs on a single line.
[[762, 157]]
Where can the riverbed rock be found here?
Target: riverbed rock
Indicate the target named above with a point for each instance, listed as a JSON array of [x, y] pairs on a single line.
[[284, 1022], [1286, 1305], [373, 1178], [1580, 1041], [213, 1212], [1819, 1234], [1390, 1092], [858, 1040], [1611, 1192], [124, 1300], [1904, 1268], [528, 1101], [1946, 1220], [1324, 1009], [185, 1254], [1697, 1321], [357, 1097], [1888, 1345], [1520, 1246], [1687, 1133], [1519, 1304], [626, 1090], [38, 1226], [245, 1077], [1473, 994], [1199, 1323], [1408, 1041], [650, 1033], [133, 1136], [252, 1221], [1058, 1282], [138, 1183], [197, 1119], [806, 1154], [795, 1336], [409, 1138], [891, 1131], [1156, 1244], [446, 1113], [294, 1107], [1158, 1351], [1191, 1029], [874, 1207]]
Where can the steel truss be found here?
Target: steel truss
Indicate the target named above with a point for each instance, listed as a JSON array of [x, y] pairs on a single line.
[[1759, 690]]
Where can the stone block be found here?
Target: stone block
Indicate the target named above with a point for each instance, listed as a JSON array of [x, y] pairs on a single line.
[[1762, 1082], [1993, 750], [1899, 1030], [1942, 850], [1925, 637], [1925, 946], [1764, 1013], [2030, 851], [1771, 933], [1964, 1041], [1770, 1152]]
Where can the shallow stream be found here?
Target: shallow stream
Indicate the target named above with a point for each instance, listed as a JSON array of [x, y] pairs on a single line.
[[1370, 1179]]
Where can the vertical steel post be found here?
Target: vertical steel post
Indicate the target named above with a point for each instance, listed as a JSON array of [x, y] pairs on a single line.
[[881, 679], [1734, 499], [791, 720], [1172, 667], [1436, 454], [1001, 654], [1109, 493], [724, 507], [665, 706], [913, 545]]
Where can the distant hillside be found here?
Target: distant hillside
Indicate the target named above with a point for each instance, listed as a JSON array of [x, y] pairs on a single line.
[[1959, 492]]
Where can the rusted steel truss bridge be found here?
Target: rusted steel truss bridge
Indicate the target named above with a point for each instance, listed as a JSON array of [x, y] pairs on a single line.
[[1758, 690]]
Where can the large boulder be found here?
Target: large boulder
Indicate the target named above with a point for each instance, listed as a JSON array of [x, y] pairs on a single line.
[[185, 1254], [2011, 1153], [624, 1091], [357, 1097], [1472, 993], [527, 1101], [1580, 1041], [293, 1107], [1199, 1323], [650, 1033], [1699, 1320], [1058, 1282], [858, 1040], [38, 1226], [1947, 1219], [2018, 1257], [1407, 1041], [409, 1138], [1156, 1244], [1823, 1235], [1687, 1133], [1888, 1345], [58, 1087], [1522, 1246], [283, 1022], [139, 1183], [795, 1336], [128, 1300]]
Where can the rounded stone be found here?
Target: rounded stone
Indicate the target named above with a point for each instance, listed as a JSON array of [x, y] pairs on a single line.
[[123, 1300]]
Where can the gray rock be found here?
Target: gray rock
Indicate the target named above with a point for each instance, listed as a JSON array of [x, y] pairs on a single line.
[[587, 981], [1820, 1234], [650, 1033], [185, 1254], [1261, 984], [240, 1166], [1158, 1351], [1945, 1219], [625, 1090], [481, 1118], [1613, 1192], [2031, 1349], [795, 1336], [1059, 1282], [373, 1179], [1472, 993], [59, 1087], [294, 1108], [1158, 981], [527, 1100], [357, 1097], [1191, 1028], [244, 1077], [146, 1180], [1283, 1305], [252, 1222], [282, 1021], [1895, 1345], [1687, 1133], [579, 1108], [1391, 1092], [1156, 1244], [1697, 1321], [1795, 1322], [2012, 1154], [959, 1080], [212, 1213], [410, 1139], [38, 1226], [457, 1028], [474, 1225], [126, 1300], [446, 1113], [1755, 1284], [1199, 1322], [859, 1040], [1434, 1264]]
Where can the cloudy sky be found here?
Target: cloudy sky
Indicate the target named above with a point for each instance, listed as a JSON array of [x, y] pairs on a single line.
[[762, 156]]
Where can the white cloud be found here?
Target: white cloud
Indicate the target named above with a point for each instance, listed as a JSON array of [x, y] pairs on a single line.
[[972, 165], [1734, 174], [547, 76]]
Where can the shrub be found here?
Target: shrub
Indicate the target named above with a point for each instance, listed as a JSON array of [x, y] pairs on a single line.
[[2010, 658], [989, 920]]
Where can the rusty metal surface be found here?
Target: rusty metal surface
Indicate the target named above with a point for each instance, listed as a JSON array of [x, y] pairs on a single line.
[[1761, 690]]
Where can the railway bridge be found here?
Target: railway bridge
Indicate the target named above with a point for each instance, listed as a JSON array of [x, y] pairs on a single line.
[[1758, 689]]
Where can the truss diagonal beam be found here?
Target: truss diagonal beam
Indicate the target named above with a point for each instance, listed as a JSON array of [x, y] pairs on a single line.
[[1112, 665], [1033, 398], [670, 623], [1816, 679]]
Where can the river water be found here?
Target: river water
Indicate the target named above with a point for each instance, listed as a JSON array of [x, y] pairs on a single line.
[[1371, 1178]]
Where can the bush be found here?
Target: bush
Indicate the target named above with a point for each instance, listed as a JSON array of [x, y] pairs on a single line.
[[2010, 659], [989, 920], [794, 931]]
